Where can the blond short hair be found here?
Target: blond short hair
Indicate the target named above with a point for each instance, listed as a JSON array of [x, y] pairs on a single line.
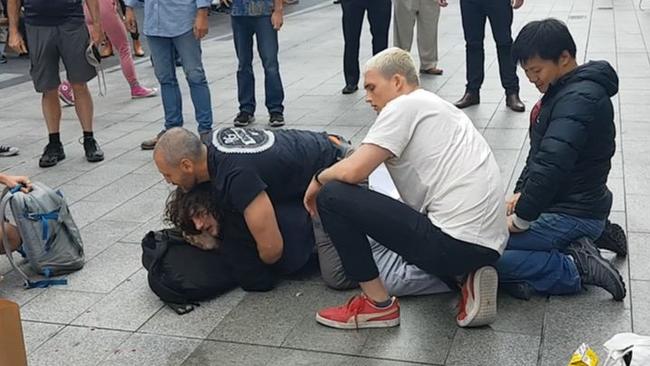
[[394, 61]]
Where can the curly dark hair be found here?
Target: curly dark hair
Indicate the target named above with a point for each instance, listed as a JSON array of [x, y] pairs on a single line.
[[181, 206]]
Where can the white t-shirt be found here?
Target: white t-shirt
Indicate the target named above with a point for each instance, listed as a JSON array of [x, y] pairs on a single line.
[[443, 167]]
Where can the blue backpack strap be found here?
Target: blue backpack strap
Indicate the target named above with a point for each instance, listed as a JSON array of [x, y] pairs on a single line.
[[44, 219], [45, 283]]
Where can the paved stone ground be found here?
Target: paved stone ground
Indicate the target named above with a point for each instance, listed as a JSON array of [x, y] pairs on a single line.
[[107, 315]]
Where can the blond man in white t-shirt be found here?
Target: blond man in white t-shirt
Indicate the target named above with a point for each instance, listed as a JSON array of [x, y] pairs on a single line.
[[452, 220]]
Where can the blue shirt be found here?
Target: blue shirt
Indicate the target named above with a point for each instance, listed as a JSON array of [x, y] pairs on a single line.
[[168, 18], [251, 8]]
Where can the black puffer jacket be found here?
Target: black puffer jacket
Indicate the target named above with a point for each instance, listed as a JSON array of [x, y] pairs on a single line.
[[571, 146]]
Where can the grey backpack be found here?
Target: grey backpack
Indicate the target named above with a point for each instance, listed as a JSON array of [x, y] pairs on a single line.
[[51, 242]]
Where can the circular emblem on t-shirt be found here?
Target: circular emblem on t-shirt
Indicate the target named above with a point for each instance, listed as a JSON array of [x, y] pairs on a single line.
[[242, 140]]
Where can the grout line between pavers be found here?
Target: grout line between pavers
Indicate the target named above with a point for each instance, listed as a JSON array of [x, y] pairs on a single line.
[[322, 351]]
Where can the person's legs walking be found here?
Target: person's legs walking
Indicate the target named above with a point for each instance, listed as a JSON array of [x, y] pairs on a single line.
[[163, 54], [189, 49], [116, 33], [473, 17], [428, 15], [499, 13], [404, 15], [353, 12], [267, 47], [242, 32], [379, 12]]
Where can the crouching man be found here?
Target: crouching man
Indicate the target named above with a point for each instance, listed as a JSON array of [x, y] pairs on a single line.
[[452, 219]]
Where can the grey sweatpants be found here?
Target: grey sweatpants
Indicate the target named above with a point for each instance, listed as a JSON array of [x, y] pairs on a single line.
[[399, 277]]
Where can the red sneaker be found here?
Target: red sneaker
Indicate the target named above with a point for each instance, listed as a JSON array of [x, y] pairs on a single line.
[[360, 312], [478, 304]]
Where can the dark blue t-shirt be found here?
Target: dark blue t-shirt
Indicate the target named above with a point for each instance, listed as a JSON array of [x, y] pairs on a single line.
[[53, 12], [243, 162]]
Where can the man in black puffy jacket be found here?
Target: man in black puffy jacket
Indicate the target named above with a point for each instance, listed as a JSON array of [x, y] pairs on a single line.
[[561, 201]]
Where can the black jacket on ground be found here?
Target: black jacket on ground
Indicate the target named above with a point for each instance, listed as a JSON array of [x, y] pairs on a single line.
[[571, 146]]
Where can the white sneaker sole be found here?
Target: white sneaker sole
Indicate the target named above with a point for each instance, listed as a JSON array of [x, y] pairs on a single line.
[[484, 312], [362, 325]]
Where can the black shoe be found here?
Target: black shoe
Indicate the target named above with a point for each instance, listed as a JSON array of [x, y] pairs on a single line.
[[513, 102], [244, 119], [349, 89], [93, 152], [518, 290], [467, 100], [3, 59], [276, 119], [594, 269], [613, 238], [52, 154]]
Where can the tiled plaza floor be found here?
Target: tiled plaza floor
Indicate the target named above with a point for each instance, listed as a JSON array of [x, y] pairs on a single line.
[[108, 316]]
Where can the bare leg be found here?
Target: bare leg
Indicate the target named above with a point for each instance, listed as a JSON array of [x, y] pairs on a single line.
[[83, 105], [51, 110], [14, 238], [375, 290]]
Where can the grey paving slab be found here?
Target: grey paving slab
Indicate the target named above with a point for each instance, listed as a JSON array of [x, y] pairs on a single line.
[[35, 334], [141, 208], [58, 306], [78, 346], [100, 235], [199, 323], [637, 208], [639, 256], [488, 347], [509, 119], [505, 138], [107, 270], [74, 192], [640, 310], [425, 334], [11, 288], [304, 358], [506, 159], [135, 236], [86, 212], [152, 350], [518, 316], [617, 187], [126, 188], [127, 307], [281, 310], [570, 321], [231, 354]]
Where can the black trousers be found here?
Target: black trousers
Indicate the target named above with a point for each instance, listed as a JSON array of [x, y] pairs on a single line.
[[350, 213], [474, 14], [379, 13]]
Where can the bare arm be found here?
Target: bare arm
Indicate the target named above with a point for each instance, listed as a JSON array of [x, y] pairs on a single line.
[[262, 223], [15, 38], [97, 33], [278, 13]]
